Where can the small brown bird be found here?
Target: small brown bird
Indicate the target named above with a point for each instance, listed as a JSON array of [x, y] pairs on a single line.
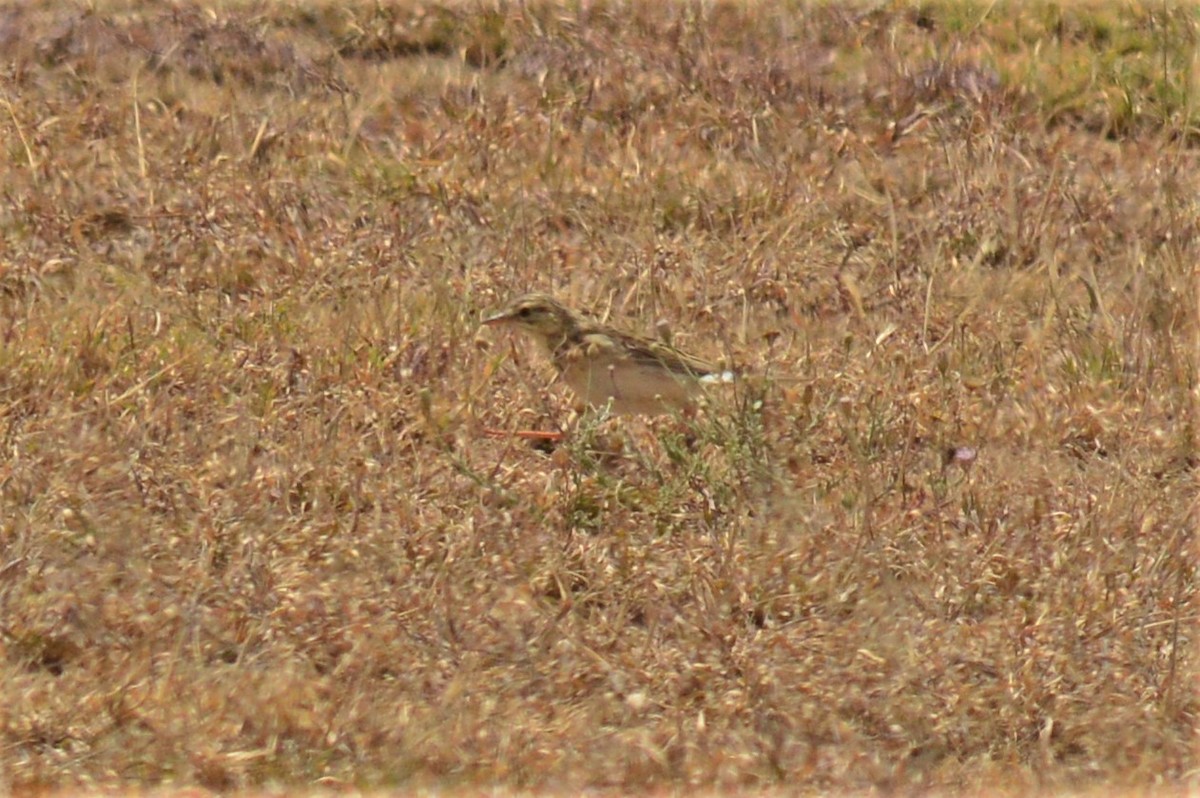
[[606, 367]]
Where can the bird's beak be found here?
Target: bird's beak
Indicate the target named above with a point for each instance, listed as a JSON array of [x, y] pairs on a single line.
[[495, 318]]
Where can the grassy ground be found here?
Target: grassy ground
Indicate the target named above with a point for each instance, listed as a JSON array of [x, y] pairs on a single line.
[[939, 537]]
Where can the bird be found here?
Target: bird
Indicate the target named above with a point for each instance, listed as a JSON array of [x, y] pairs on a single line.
[[607, 368]]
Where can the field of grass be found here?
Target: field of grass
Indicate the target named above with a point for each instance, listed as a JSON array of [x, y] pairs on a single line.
[[938, 537]]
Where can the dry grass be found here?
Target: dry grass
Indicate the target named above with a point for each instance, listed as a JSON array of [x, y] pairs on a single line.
[[252, 532]]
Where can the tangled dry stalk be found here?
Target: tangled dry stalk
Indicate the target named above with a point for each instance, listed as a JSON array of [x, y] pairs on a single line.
[[940, 536]]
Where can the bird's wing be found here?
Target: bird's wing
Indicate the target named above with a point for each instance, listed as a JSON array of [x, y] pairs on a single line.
[[679, 363]]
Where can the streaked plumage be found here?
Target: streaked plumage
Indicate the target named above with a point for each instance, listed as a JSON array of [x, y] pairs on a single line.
[[604, 365]]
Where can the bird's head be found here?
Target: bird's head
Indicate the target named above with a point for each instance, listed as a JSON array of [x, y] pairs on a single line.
[[539, 315]]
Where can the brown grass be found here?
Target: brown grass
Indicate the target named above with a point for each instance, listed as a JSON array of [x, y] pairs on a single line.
[[252, 532]]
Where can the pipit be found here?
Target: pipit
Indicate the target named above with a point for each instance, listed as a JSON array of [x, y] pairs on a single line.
[[609, 368]]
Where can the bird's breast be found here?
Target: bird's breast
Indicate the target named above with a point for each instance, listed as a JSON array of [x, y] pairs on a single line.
[[625, 386]]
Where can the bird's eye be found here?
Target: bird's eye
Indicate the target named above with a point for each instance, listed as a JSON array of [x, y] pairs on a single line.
[[525, 313]]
